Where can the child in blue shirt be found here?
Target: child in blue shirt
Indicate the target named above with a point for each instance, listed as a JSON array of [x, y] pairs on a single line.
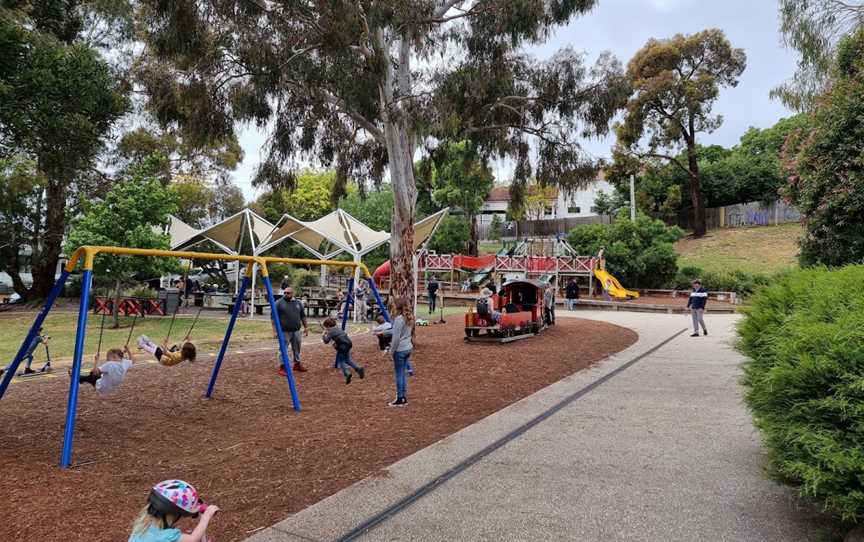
[[168, 502]]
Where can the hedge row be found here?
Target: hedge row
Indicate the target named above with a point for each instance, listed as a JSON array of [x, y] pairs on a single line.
[[804, 335]]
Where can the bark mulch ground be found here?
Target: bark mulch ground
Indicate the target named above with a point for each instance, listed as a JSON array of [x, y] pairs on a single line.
[[245, 449]]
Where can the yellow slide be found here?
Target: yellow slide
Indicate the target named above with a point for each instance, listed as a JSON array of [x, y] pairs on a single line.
[[611, 285]]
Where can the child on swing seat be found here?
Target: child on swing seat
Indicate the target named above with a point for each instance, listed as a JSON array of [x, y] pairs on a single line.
[[106, 378], [167, 356], [342, 343], [384, 332]]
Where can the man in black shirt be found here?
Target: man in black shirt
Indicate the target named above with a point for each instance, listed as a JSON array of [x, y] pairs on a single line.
[[291, 316]]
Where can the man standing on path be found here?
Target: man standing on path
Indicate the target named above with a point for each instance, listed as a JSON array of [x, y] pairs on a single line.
[[432, 289], [572, 294], [549, 302], [696, 304], [291, 316]]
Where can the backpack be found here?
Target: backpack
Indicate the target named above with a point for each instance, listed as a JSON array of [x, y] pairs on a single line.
[[483, 307]]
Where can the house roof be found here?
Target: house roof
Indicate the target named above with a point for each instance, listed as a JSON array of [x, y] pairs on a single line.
[[502, 194]]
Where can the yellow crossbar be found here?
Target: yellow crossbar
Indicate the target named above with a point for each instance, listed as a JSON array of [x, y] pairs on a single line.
[[88, 253]]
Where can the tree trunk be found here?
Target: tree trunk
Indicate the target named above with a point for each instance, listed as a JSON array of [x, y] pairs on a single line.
[[400, 154], [696, 197], [115, 310], [472, 237], [46, 255]]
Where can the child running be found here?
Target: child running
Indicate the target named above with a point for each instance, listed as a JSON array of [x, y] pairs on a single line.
[[106, 378], [168, 502], [384, 332], [167, 356], [342, 343]]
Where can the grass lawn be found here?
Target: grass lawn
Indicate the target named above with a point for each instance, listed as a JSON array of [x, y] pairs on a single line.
[[489, 247], [60, 326], [761, 249]]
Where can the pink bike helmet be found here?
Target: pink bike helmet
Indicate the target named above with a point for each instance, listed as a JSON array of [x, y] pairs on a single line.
[[175, 497]]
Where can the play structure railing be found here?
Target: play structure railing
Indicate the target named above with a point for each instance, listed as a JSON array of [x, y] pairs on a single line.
[[87, 255], [581, 265]]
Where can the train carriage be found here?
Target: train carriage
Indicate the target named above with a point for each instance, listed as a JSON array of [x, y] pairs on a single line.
[[514, 312]]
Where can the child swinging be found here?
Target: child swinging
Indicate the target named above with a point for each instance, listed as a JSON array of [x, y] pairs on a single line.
[[177, 353]]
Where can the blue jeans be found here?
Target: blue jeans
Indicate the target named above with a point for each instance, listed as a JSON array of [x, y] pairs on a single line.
[[400, 364], [343, 361]]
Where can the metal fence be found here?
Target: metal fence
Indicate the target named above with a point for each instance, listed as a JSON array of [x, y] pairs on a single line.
[[743, 215]]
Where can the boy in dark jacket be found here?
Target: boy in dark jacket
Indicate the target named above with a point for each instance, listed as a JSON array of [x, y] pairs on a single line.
[[342, 343], [696, 304]]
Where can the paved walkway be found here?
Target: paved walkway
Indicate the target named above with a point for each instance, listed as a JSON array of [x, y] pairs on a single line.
[[652, 444]]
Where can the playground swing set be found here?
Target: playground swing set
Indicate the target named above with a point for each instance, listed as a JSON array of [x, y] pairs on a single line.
[[87, 254]]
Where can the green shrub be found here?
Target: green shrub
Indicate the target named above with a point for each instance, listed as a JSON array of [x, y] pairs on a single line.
[[804, 335], [639, 253]]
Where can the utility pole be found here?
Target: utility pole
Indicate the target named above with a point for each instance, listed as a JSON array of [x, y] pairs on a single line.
[[632, 198]]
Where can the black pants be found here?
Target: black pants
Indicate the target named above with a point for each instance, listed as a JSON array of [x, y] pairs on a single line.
[[432, 299], [550, 316], [384, 341]]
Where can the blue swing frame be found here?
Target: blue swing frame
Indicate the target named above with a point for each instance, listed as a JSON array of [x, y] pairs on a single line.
[[88, 254]]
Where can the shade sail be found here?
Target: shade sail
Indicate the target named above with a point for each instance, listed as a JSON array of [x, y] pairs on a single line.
[[229, 234], [340, 232]]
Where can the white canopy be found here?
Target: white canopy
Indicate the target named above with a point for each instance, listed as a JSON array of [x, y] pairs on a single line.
[[227, 234], [340, 232]]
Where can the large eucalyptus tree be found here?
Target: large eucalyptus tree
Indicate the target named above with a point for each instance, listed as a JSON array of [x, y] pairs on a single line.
[[364, 85]]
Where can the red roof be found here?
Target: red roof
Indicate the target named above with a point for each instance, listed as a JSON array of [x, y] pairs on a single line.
[[502, 193], [499, 193]]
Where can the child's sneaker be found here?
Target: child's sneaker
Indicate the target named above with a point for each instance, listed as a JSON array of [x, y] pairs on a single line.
[[347, 378], [704, 332], [361, 372], [28, 371], [399, 402]]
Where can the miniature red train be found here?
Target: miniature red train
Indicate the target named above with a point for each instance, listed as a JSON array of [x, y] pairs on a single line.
[[515, 312]]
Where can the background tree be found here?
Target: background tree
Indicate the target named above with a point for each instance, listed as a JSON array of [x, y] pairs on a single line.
[[336, 82], [211, 161], [828, 187], [639, 254], [675, 83], [496, 227], [605, 204], [194, 200], [131, 215], [452, 237], [310, 198], [59, 100], [814, 28], [460, 178], [21, 210]]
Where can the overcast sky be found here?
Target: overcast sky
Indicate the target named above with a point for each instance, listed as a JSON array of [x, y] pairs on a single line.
[[623, 26]]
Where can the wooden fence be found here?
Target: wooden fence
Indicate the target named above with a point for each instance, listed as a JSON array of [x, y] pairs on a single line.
[[743, 215]]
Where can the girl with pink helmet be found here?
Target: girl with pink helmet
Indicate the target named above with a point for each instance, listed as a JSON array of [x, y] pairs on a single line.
[[168, 502]]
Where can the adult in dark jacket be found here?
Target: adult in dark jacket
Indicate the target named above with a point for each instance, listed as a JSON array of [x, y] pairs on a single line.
[[696, 304], [432, 290], [292, 316], [571, 293]]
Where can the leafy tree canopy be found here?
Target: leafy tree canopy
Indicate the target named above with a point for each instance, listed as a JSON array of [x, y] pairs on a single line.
[[828, 187], [59, 100], [675, 83], [814, 28]]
